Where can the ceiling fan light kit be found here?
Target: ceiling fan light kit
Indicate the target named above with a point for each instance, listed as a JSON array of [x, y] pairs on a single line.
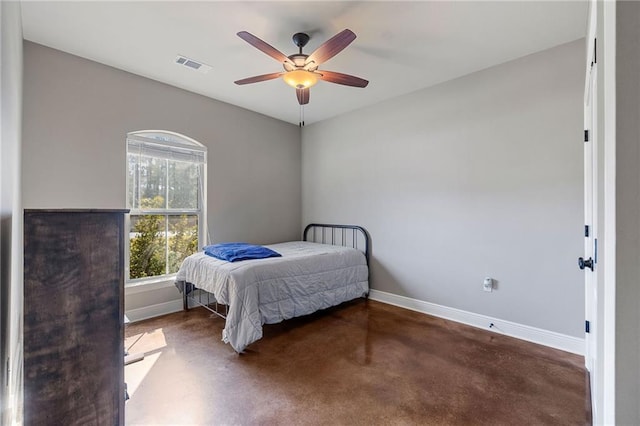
[[300, 70], [300, 79]]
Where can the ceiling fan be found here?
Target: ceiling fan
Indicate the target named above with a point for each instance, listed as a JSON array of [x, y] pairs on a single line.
[[301, 70]]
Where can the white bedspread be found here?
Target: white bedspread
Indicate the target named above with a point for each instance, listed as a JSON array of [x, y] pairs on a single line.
[[308, 277]]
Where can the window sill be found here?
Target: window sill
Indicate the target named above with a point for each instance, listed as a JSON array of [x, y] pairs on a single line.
[[149, 285]]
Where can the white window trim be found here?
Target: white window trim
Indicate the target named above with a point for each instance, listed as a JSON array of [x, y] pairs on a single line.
[[180, 144], [150, 284]]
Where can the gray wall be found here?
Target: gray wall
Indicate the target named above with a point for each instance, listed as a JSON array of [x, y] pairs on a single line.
[[479, 176], [10, 213], [627, 213], [76, 117]]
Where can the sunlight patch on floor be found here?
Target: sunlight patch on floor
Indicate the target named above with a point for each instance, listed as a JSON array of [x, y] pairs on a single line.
[[135, 373], [146, 346], [145, 342]]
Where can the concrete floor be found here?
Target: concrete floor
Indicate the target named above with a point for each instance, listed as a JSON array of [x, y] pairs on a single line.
[[363, 362]]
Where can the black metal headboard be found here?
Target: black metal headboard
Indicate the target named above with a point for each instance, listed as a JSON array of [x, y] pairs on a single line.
[[339, 235]]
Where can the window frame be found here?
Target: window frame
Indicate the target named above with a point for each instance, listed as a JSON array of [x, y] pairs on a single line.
[[167, 142]]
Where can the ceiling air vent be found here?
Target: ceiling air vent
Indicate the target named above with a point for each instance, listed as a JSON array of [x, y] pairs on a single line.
[[193, 64]]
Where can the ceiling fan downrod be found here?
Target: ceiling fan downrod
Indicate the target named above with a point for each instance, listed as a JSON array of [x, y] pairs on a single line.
[[300, 40]]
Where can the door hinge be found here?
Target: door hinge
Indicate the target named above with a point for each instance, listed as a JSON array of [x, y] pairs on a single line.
[[586, 230], [586, 135], [587, 327], [595, 51]]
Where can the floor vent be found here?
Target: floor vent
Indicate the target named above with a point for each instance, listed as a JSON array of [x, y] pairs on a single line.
[[193, 64]]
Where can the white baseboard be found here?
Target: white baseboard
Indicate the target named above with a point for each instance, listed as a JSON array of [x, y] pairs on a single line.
[[151, 311], [532, 334]]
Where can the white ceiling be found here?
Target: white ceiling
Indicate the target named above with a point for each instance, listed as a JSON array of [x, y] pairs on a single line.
[[401, 46]]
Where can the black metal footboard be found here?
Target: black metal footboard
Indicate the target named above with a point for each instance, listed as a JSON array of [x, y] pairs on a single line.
[[201, 298]]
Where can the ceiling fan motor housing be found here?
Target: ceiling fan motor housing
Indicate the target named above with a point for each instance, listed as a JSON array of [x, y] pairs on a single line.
[[299, 59]]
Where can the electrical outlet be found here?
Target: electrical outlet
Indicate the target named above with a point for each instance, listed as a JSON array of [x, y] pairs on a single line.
[[487, 285]]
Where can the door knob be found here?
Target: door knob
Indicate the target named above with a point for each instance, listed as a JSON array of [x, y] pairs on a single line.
[[582, 263]]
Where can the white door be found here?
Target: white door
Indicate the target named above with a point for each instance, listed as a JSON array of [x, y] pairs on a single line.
[[589, 261]]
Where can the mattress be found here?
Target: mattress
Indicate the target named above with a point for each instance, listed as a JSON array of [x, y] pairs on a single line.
[[308, 277]]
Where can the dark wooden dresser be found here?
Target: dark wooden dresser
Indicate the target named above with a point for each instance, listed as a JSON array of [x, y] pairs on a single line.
[[73, 317]]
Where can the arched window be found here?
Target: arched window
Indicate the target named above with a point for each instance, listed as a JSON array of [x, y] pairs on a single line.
[[166, 195]]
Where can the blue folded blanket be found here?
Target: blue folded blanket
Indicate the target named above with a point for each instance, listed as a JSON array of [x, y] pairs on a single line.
[[235, 252]]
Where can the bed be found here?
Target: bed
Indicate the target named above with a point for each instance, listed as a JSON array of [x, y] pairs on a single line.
[[328, 267]]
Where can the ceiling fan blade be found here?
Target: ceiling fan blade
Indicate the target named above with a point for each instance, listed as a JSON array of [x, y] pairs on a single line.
[[303, 96], [339, 78], [331, 47], [264, 47], [259, 78]]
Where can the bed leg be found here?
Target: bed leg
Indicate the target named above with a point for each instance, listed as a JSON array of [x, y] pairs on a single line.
[[185, 303]]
